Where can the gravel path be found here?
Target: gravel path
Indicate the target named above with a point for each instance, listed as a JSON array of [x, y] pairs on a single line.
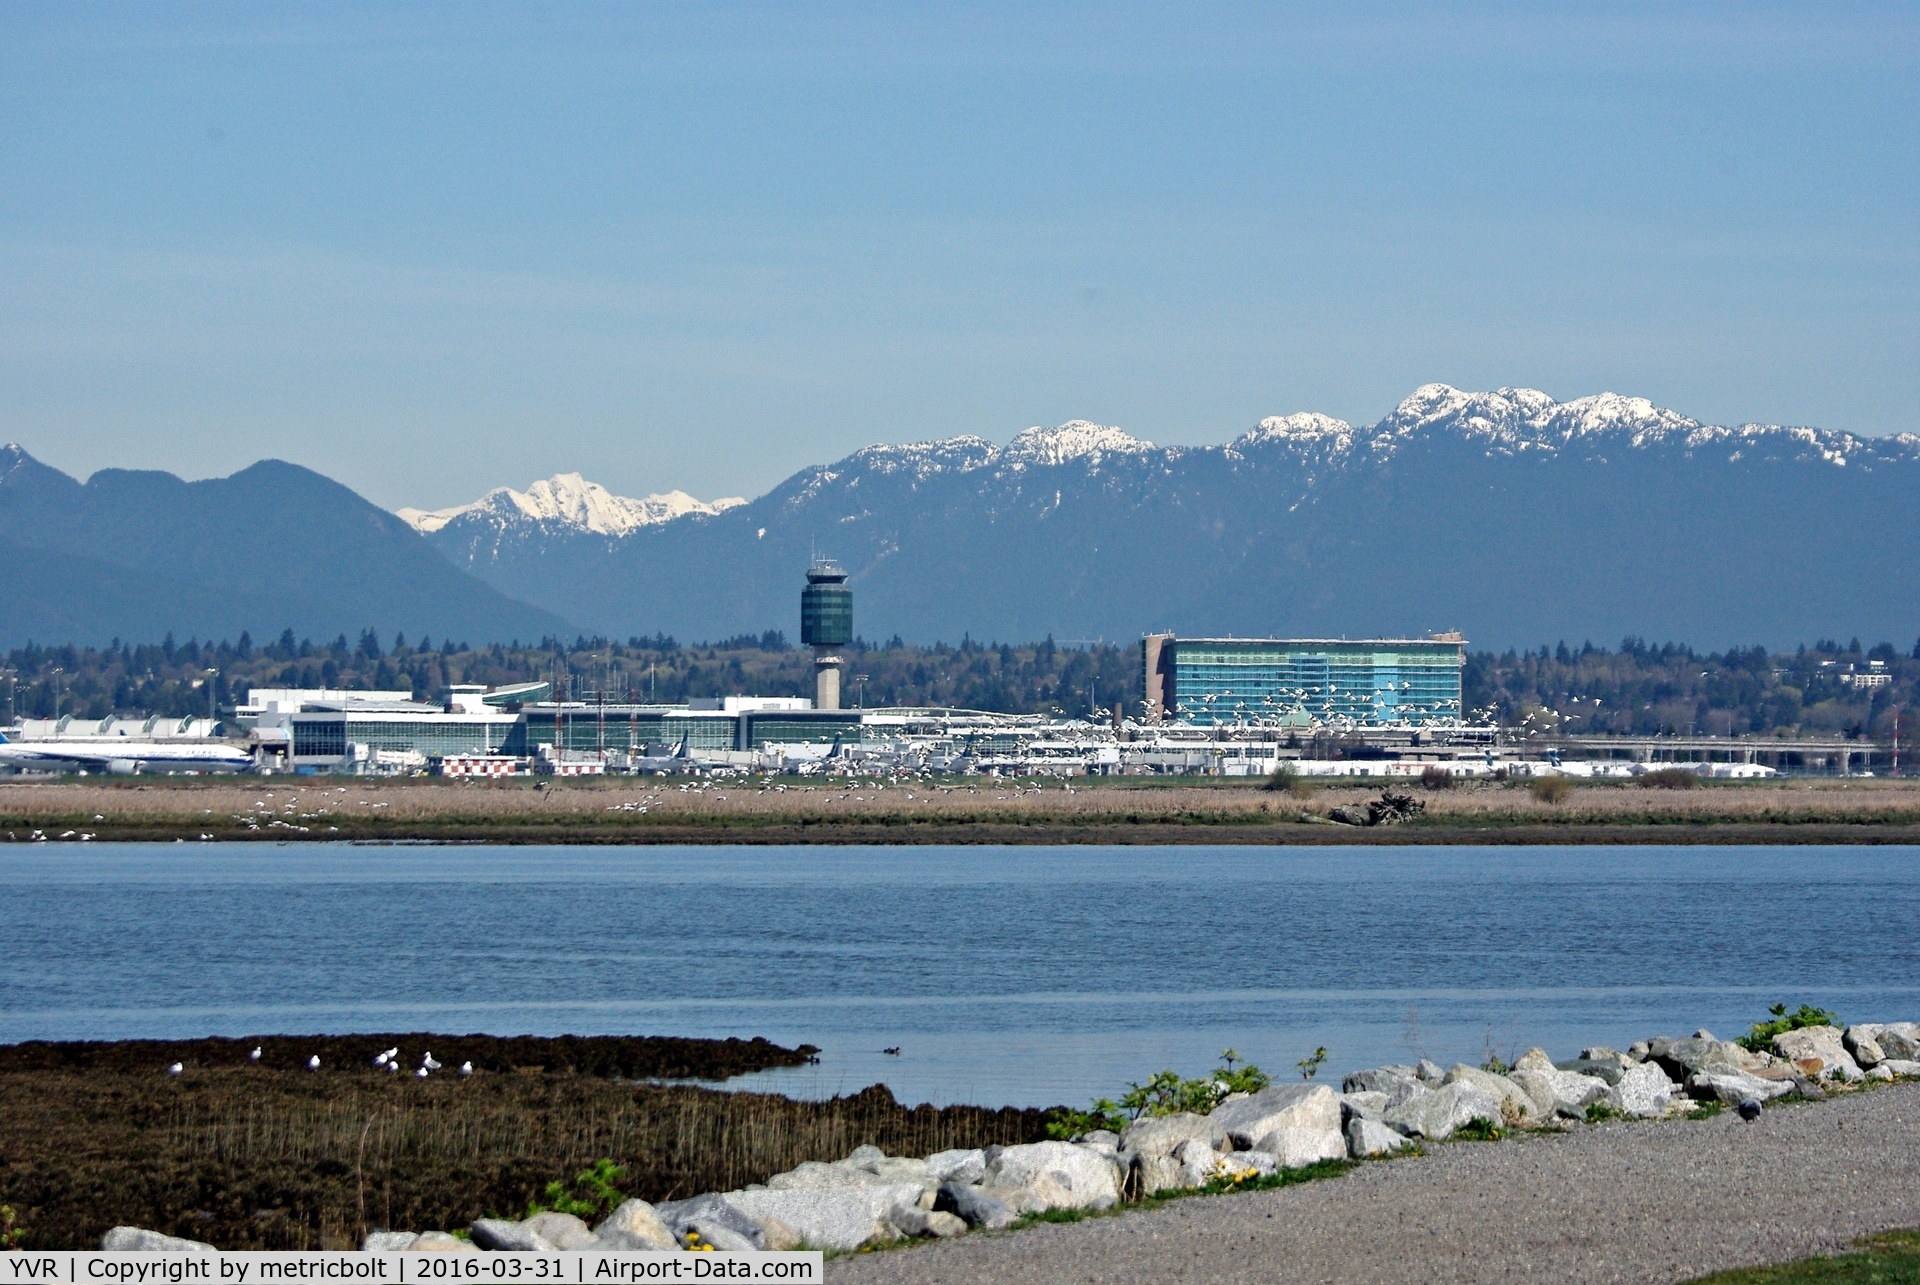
[[1613, 1202]]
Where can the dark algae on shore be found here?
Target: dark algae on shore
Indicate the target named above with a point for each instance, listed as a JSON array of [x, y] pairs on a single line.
[[272, 1155], [634, 1057]]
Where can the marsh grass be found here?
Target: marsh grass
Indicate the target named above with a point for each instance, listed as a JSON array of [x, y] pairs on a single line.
[[610, 810]]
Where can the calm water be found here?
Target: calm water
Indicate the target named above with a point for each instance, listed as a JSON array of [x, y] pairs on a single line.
[[1005, 975]]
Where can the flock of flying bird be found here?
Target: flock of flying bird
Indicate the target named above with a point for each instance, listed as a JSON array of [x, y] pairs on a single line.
[[389, 1059]]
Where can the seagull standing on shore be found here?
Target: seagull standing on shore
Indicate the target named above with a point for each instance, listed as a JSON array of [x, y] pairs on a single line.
[[380, 1059], [255, 1055], [392, 1067], [313, 1063], [175, 1069], [428, 1063], [466, 1068], [422, 1073]]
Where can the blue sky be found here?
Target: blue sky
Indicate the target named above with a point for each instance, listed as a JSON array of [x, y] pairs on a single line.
[[433, 249]]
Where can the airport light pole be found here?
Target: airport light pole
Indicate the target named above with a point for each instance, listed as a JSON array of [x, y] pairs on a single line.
[[212, 714], [57, 671]]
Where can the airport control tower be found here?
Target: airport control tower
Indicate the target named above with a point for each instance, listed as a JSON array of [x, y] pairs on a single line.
[[826, 625]]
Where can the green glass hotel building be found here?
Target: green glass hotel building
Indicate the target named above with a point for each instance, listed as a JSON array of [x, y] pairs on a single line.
[[1303, 682]]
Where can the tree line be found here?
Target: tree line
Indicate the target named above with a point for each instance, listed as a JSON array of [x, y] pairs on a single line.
[[171, 677], [1636, 688]]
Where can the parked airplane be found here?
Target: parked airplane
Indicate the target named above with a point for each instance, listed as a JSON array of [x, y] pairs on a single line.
[[109, 754]]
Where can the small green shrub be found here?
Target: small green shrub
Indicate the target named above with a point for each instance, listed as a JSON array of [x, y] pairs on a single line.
[[1671, 778], [594, 1193], [1480, 1131], [1707, 1110], [1760, 1038], [1598, 1111], [9, 1232], [1164, 1093], [1550, 789], [1311, 1064], [1285, 779], [1067, 1124]]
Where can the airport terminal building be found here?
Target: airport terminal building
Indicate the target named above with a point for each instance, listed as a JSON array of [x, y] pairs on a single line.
[[355, 731], [1302, 682]]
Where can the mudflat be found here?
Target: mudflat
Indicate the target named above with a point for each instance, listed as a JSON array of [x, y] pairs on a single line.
[[1621, 1201]]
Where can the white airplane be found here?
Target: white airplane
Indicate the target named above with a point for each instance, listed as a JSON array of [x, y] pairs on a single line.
[[121, 756]]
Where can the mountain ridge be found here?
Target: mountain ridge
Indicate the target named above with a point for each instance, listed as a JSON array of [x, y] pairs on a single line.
[[138, 553], [1430, 518]]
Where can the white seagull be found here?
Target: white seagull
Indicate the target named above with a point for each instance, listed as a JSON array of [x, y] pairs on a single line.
[[380, 1059], [428, 1061], [392, 1053], [466, 1068], [313, 1063], [255, 1055], [392, 1067], [422, 1073], [175, 1069]]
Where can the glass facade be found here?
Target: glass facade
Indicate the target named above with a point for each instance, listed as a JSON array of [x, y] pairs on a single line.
[[781, 727], [1216, 680], [627, 728], [328, 735]]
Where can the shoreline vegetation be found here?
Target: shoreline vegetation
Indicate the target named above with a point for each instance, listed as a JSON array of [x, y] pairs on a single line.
[[270, 1154], [763, 810], [262, 1150]]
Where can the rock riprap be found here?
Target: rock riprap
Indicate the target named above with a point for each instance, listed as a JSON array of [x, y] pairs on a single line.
[[872, 1198]]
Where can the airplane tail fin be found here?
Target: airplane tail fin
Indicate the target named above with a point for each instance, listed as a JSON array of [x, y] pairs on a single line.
[[4, 740]]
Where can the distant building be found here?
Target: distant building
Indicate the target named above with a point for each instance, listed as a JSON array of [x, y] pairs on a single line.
[[1302, 681]]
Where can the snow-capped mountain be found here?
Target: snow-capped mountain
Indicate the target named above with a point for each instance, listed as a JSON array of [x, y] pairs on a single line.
[[569, 502], [1507, 513]]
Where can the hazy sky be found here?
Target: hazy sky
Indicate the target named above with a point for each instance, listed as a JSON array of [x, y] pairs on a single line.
[[429, 250]]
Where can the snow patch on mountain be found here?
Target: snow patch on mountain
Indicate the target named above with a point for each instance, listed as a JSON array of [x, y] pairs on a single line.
[[569, 501], [1074, 440], [1512, 421], [13, 457], [1310, 428], [925, 459]]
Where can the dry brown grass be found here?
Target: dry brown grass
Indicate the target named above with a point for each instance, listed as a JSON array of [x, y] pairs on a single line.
[[637, 811]]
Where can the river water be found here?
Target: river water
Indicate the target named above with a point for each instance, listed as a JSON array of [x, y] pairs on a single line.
[[1023, 975]]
